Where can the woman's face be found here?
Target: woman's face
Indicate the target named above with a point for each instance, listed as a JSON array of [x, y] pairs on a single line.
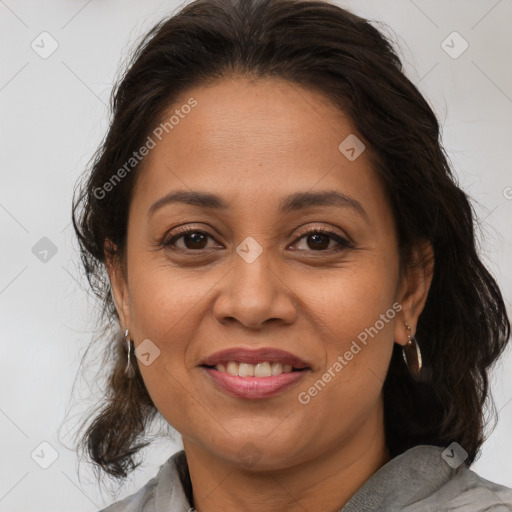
[[254, 275]]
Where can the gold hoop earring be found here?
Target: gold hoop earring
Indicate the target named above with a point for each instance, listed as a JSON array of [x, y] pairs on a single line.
[[129, 370], [412, 355]]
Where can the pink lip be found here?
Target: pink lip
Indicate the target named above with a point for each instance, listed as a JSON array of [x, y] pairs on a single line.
[[254, 388], [255, 356]]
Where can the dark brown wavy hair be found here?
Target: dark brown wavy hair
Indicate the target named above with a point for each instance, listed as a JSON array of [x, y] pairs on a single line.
[[317, 45]]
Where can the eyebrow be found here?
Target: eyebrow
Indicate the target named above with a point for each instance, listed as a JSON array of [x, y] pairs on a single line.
[[291, 203]]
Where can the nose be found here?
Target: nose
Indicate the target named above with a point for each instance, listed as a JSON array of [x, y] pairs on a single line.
[[254, 294]]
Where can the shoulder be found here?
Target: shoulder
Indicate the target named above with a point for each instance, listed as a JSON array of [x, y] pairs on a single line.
[[141, 501], [469, 492], [163, 492], [421, 480]]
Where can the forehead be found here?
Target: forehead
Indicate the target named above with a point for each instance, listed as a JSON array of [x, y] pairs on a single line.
[[254, 139]]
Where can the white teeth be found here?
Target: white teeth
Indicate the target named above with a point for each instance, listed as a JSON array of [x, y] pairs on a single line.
[[263, 369], [245, 370], [277, 368], [232, 368]]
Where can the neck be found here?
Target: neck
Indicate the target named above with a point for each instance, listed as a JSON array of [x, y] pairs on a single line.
[[324, 483]]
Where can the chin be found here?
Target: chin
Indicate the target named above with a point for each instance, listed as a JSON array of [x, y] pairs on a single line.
[[255, 453]]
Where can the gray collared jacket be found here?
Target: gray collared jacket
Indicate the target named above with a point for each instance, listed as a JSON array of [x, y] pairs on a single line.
[[418, 480]]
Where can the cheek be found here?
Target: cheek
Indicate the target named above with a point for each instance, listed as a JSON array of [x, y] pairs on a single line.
[[164, 298], [166, 309], [355, 311], [344, 301]]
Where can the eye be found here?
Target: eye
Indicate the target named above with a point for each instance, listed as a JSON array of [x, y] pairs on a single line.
[[319, 240], [193, 239]]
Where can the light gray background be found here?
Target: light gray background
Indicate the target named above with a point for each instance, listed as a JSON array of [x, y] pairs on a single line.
[[54, 115]]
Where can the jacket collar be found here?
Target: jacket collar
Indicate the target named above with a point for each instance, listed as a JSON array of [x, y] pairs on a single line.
[[404, 480]]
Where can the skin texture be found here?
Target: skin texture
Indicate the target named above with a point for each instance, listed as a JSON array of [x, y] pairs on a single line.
[[253, 142]]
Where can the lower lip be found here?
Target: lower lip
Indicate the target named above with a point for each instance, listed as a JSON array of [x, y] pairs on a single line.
[[254, 388]]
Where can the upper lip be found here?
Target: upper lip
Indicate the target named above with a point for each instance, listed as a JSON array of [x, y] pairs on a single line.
[[254, 356]]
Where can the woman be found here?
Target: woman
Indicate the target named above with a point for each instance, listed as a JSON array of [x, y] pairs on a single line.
[[275, 231]]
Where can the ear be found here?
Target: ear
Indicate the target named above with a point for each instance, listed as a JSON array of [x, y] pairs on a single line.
[[414, 288], [117, 276]]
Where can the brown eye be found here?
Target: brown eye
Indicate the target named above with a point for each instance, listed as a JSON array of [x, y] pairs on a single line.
[[192, 240], [319, 240]]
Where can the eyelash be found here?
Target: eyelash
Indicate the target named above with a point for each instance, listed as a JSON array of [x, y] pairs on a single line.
[[343, 243]]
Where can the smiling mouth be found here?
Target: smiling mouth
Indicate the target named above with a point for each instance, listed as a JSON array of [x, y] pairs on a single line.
[[262, 369], [251, 374], [252, 381]]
